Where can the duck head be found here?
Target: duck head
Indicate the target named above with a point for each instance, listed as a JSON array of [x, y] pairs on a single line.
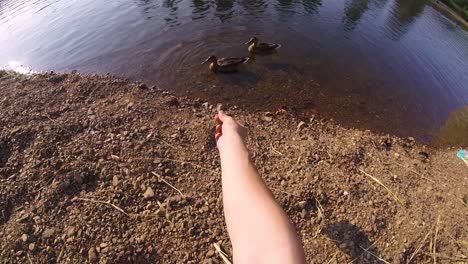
[[212, 59], [253, 40]]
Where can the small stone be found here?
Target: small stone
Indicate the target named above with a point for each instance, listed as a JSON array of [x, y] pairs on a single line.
[[283, 183], [148, 193], [210, 253], [268, 116], [302, 204], [115, 181], [345, 192], [71, 231], [92, 255], [49, 232], [103, 245], [24, 237], [301, 125], [206, 105], [32, 246]]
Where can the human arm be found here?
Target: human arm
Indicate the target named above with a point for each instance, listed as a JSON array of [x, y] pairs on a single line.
[[260, 231]]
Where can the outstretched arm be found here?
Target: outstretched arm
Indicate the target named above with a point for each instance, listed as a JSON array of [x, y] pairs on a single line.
[[260, 231]]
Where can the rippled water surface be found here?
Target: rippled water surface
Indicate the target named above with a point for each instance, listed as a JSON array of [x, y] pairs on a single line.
[[388, 65]]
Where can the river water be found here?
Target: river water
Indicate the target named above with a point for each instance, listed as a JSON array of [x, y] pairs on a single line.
[[392, 66]]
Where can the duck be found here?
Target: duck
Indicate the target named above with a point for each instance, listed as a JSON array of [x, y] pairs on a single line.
[[225, 65], [262, 47]]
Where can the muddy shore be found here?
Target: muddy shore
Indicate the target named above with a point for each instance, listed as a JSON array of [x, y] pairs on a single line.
[[103, 170]]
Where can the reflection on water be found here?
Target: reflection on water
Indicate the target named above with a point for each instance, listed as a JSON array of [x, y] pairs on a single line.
[[353, 12], [393, 66], [405, 13], [454, 132]]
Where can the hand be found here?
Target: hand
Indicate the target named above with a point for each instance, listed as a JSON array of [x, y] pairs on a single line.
[[227, 128]]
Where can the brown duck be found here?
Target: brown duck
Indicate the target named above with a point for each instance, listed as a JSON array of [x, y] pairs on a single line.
[[225, 65], [261, 47]]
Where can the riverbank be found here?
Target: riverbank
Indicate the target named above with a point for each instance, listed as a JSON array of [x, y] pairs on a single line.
[[99, 169], [461, 18]]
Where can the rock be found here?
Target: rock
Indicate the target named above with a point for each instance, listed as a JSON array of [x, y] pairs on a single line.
[[32, 246], [283, 183], [92, 255], [24, 237], [148, 193], [115, 181], [172, 102], [301, 125], [103, 245], [143, 86], [49, 232]]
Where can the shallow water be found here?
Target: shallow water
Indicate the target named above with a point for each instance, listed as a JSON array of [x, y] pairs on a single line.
[[392, 66]]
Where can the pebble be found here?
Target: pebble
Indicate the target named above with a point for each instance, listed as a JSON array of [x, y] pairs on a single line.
[[148, 193], [71, 231], [48, 233], [115, 181], [268, 116], [24, 237], [302, 204], [92, 255], [32, 246]]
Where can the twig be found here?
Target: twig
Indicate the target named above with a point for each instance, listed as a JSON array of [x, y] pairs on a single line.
[[375, 256], [170, 185], [274, 150], [223, 255], [383, 185], [462, 259], [165, 142], [295, 165], [188, 162], [102, 202], [419, 174], [435, 240], [60, 255], [419, 247], [29, 258]]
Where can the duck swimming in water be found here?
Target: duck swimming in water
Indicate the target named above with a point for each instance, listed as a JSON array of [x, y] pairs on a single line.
[[261, 47], [225, 65]]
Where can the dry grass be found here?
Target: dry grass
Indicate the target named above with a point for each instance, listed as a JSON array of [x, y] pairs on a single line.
[[221, 253], [170, 185], [383, 185]]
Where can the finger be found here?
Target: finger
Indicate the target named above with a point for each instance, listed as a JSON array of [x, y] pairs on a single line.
[[218, 121], [217, 136], [219, 128], [222, 116]]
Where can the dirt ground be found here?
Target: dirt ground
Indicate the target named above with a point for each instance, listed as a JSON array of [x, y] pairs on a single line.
[[103, 170]]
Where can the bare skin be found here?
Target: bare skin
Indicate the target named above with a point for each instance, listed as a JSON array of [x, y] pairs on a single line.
[[259, 229]]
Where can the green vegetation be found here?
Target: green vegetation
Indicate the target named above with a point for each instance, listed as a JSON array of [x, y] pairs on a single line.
[[459, 6]]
